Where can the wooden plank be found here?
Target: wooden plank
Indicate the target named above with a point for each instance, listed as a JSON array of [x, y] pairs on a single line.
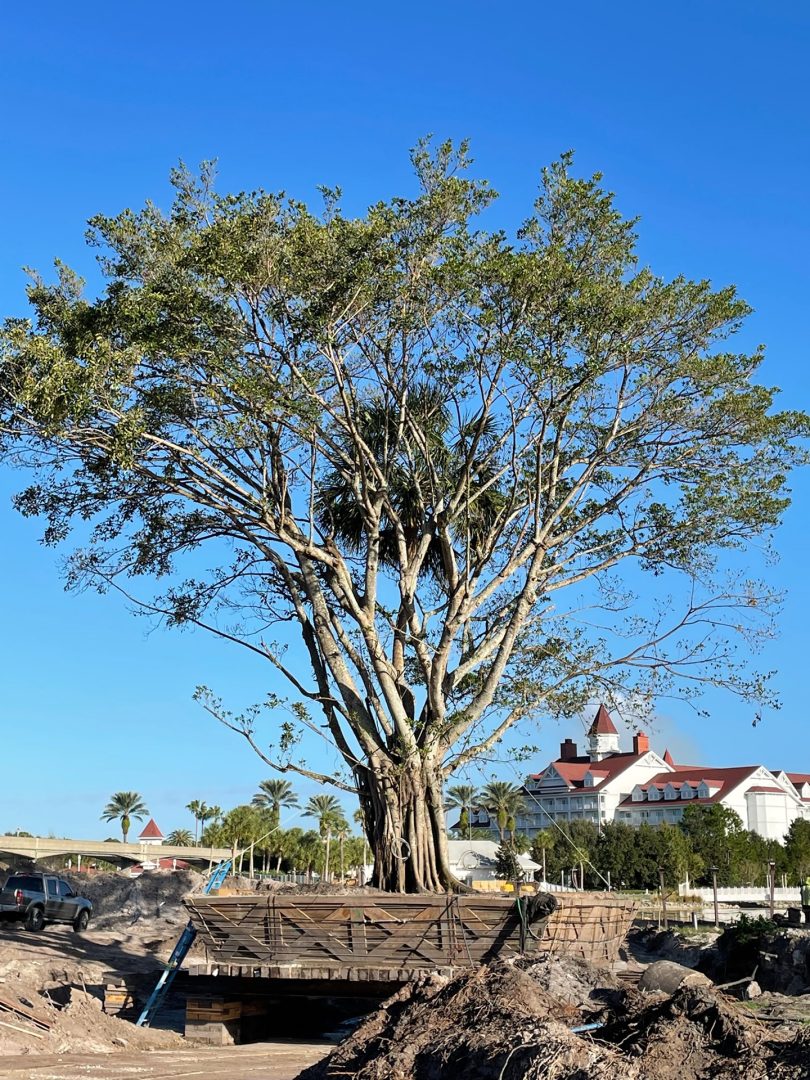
[[23, 1011]]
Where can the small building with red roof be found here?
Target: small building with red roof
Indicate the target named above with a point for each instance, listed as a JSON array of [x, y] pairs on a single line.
[[638, 786], [151, 834]]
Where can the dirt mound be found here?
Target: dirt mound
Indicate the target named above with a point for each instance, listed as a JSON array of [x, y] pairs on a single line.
[[696, 1033], [154, 894], [500, 1023], [32, 1022], [495, 1023]]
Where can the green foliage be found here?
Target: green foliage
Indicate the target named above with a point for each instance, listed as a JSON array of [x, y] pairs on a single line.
[[180, 838], [507, 866], [797, 848], [575, 842]]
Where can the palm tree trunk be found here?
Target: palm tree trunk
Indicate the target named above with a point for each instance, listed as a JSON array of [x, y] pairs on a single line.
[[326, 860]]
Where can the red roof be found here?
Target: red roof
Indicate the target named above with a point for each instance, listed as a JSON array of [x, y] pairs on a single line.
[[725, 780], [798, 778], [778, 790], [668, 758], [602, 724], [575, 770], [151, 832]]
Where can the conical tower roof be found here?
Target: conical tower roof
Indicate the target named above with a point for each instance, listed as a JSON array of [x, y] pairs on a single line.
[[602, 724]]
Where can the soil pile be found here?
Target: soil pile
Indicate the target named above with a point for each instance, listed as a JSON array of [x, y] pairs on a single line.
[[495, 1023], [155, 894], [499, 1023], [32, 1022]]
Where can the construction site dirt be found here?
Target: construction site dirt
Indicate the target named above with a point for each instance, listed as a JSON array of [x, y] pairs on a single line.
[[558, 1017]]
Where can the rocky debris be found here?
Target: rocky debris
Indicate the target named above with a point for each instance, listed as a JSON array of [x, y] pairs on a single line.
[[570, 980], [155, 894], [695, 951], [778, 1008], [500, 1023], [783, 962]]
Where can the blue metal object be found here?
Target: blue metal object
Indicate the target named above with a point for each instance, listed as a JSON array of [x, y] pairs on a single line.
[[180, 952]]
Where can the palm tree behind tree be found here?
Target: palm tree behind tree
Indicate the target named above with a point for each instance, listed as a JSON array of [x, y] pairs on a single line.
[[327, 810], [275, 794], [200, 811], [461, 797], [180, 838], [505, 801], [123, 806]]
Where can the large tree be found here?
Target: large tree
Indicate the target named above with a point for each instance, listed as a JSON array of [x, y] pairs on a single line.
[[431, 448]]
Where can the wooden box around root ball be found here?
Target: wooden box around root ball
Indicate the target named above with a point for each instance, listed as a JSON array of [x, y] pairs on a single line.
[[395, 936], [590, 925]]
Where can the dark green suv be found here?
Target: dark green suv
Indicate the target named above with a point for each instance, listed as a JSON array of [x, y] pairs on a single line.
[[36, 899]]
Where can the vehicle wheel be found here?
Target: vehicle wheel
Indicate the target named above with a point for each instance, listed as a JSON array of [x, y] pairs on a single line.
[[81, 921], [34, 919]]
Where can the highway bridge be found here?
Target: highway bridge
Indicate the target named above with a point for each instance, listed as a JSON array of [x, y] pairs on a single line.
[[48, 847]]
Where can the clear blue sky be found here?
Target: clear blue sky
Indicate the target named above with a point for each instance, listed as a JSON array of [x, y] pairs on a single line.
[[697, 113]]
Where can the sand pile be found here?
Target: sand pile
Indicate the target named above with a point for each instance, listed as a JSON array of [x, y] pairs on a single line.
[[33, 1022], [499, 1023]]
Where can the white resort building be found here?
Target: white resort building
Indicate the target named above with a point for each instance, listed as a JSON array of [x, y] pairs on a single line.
[[640, 786]]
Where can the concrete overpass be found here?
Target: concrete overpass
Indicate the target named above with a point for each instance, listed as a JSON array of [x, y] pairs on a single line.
[[47, 847]]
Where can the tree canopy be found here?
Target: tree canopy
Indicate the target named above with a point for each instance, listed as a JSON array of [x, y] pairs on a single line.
[[447, 455]]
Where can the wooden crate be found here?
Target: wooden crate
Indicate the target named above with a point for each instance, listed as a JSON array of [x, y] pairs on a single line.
[[320, 936], [591, 925]]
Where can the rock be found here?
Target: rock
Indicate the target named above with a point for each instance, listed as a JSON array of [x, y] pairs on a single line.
[[120, 1042], [753, 990], [667, 976]]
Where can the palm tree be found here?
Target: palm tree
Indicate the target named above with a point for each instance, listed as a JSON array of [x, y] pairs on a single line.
[[408, 477], [123, 806], [341, 828], [200, 811], [360, 819], [505, 801], [180, 838], [274, 794], [327, 811], [461, 797]]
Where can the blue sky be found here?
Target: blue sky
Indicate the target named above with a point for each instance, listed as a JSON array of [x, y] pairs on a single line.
[[697, 115]]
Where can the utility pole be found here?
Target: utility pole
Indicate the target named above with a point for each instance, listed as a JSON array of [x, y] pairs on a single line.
[[772, 876], [664, 920], [713, 871]]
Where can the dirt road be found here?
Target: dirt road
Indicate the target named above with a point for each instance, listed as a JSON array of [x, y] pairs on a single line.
[[280, 1060]]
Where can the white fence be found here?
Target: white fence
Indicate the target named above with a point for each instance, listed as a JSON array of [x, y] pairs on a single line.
[[757, 895]]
